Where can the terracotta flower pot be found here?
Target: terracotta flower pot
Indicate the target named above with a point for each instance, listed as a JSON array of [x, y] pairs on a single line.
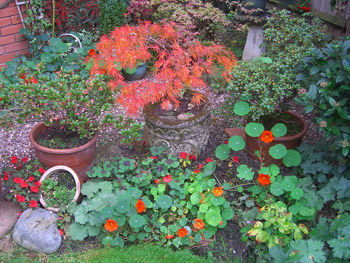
[[189, 136], [57, 169], [253, 144], [80, 159]]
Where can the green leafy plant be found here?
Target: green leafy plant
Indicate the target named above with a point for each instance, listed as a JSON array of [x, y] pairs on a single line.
[[111, 14], [325, 76], [158, 199], [22, 181]]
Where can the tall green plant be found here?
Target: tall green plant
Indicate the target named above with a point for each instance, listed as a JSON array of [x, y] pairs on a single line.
[[111, 14]]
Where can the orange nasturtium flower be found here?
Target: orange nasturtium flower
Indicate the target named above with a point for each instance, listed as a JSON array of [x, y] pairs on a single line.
[[264, 179], [92, 52], [199, 223], [140, 206], [202, 198], [266, 136], [182, 232], [111, 225], [217, 191]]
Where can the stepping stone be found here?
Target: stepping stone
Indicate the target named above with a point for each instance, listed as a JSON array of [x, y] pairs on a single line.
[[252, 45], [235, 132], [8, 216]]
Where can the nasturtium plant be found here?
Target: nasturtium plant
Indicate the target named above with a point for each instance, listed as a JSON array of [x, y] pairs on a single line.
[[154, 198]]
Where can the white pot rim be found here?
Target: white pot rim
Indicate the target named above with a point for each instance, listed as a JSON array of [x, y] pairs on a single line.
[[57, 169]]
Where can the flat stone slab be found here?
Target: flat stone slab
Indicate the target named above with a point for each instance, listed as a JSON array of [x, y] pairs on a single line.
[[8, 216], [252, 45], [235, 132]]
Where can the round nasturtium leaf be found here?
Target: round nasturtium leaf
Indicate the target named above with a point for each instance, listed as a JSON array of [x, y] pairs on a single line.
[[222, 152], [297, 193], [236, 143], [244, 172], [254, 129], [203, 208], [294, 209], [213, 218], [276, 189], [288, 184], [217, 201], [137, 221], [279, 130], [274, 169], [256, 189], [120, 220], [226, 186], [240, 189], [227, 214], [264, 170], [164, 201], [132, 238], [292, 158], [241, 108], [122, 206], [195, 198], [107, 212], [278, 151]]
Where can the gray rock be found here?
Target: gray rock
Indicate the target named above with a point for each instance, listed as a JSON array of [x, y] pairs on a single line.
[[183, 117], [8, 216], [36, 230], [252, 45]]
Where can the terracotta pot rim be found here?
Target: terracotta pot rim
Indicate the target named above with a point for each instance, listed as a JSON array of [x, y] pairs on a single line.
[[58, 151], [298, 135], [76, 179]]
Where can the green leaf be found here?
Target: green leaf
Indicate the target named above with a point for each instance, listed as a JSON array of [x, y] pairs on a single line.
[[209, 168], [118, 241], [227, 214], [203, 208], [222, 152], [244, 172], [107, 212], [213, 217], [46, 57], [274, 169], [308, 251], [292, 158], [195, 198], [276, 189], [254, 129], [62, 47], [137, 221], [279, 130], [130, 70], [236, 143], [297, 193], [288, 184], [278, 151], [226, 186], [122, 206], [164, 201], [241, 108], [77, 231], [31, 64], [134, 192]]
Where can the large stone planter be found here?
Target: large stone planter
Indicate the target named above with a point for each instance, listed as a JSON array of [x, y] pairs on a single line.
[[189, 136], [80, 159]]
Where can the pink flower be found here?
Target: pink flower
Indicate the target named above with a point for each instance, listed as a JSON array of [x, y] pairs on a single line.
[[157, 181], [153, 157], [33, 203], [208, 160], [167, 179]]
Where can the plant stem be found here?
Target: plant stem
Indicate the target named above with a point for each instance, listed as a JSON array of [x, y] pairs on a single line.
[[53, 18]]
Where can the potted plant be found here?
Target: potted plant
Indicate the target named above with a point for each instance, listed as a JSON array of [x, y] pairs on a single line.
[[72, 110], [179, 63]]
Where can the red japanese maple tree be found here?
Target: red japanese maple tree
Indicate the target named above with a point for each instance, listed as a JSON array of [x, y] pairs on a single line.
[[180, 63]]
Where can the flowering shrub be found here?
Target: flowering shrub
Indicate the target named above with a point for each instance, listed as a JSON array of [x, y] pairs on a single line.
[[156, 198], [279, 198], [22, 180], [180, 62]]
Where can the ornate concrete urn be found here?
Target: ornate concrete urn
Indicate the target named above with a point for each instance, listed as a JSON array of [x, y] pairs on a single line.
[[189, 135]]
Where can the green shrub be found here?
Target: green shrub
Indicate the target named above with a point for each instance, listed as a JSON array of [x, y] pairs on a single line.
[[111, 14]]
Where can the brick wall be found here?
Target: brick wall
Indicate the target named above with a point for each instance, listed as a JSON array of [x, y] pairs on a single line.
[[11, 42]]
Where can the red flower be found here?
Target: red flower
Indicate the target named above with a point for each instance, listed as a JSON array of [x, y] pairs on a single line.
[[266, 136], [192, 157], [157, 181], [111, 225], [200, 166], [199, 224], [34, 189], [196, 171], [153, 157], [24, 184], [6, 177], [183, 155], [226, 142], [92, 52], [235, 159], [61, 232], [41, 170], [17, 180], [182, 232], [217, 191], [140, 206], [14, 159], [167, 179], [169, 236], [31, 178], [264, 179], [22, 76], [221, 223], [37, 183], [24, 159], [33, 80], [33, 203], [20, 199], [208, 160]]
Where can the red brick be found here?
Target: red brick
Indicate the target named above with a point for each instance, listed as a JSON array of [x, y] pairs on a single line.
[[2, 50], [20, 37], [9, 30], [16, 46], [7, 40], [15, 20], [7, 57], [9, 11], [5, 21]]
